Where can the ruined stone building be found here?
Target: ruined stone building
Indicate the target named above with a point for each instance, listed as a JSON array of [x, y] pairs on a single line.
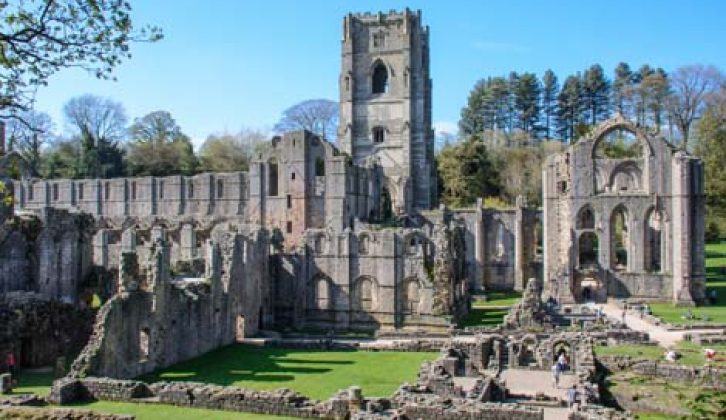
[[624, 224], [321, 237]]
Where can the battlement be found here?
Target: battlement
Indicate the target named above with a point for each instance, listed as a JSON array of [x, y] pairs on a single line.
[[381, 16], [214, 194]]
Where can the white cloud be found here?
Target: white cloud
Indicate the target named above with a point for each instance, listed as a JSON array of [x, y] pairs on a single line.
[[446, 128]]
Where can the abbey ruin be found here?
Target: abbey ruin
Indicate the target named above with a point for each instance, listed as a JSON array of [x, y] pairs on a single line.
[[347, 235]]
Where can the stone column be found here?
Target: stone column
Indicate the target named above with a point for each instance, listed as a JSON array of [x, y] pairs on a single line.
[[682, 235], [519, 258], [479, 245]]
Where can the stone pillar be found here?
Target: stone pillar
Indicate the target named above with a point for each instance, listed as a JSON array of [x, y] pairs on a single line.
[[479, 245], [519, 258], [100, 248], [682, 234], [188, 242]]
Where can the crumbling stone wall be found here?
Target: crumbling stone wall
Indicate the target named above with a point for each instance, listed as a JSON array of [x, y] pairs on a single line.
[[156, 320], [39, 331]]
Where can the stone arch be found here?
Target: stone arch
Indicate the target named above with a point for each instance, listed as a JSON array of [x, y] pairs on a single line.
[[365, 294], [379, 78], [588, 246], [619, 123], [653, 241], [619, 238], [413, 244], [563, 346], [627, 176], [411, 296], [528, 351], [585, 218]]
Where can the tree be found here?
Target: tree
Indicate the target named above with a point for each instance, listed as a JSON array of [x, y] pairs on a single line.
[[466, 172], [526, 102], [319, 116], [520, 170], [474, 116], [710, 145], [100, 125], [41, 37], [569, 108], [550, 90], [227, 152], [622, 90], [60, 160], [655, 88], [28, 134], [595, 94], [691, 86], [159, 148]]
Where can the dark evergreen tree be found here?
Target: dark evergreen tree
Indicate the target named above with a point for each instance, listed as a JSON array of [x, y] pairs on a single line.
[[550, 89], [569, 104], [622, 92], [526, 102], [595, 94]]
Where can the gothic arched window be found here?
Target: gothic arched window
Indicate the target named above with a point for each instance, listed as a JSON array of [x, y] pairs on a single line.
[[380, 79]]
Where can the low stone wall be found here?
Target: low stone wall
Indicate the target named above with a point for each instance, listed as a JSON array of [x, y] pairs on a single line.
[[57, 414], [282, 402], [708, 376], [596, 412], [403, 345]]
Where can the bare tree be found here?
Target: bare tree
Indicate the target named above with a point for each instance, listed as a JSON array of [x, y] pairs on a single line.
[[691, 87], [28, 133], [319, 116], [100, 124]]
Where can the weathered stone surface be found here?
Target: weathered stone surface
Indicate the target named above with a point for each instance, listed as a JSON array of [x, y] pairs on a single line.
[[28, 413]]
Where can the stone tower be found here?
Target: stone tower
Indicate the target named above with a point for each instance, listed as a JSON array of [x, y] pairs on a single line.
[[385, 105]]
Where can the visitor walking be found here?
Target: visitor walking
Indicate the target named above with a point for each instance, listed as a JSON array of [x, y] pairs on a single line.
[[556, 375], [562, 362], [12, 365], [571, 396]]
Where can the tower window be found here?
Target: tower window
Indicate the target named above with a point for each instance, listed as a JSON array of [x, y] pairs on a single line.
[[379, 39], [289, 201], [272, 178], [379, 134], [289, 227], [319, 167], [380, 79]]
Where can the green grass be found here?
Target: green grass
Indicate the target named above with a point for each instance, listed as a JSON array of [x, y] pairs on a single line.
[[316, 374], [160, 411], [715, 259], [496, 299], [34, 382], [479, 317]]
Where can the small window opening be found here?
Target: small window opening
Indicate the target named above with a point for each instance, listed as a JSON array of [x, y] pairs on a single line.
[[380, 79], [107, 190], [379, 135], [289, 227], [220, 188], [292, 175], [289, 201], [133, 190], [190, 189], [144, 345], [272, 178], [30, 191], [55, 192], [319, 167], [80, 191], [161, 189]]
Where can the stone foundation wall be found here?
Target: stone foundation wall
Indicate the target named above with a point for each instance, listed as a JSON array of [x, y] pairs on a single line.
[[57, 414], [709, 376]]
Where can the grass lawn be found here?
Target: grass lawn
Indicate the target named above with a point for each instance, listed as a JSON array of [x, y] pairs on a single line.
[[34, 382], [316, 374], [715, 259], [496, 299], [481, 317]]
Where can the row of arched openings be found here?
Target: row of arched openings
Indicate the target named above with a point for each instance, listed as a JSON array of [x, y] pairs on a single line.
[[365, 294], [620, 239]]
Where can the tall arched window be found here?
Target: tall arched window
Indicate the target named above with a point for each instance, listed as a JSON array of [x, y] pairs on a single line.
[[365, 291], [653, 241], [619, 239], [380, 79], [322, 294], [272, 177], [411, 296], [586, 218], [588, 248]]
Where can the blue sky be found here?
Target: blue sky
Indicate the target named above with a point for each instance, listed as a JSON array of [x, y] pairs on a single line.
[[225, 64]]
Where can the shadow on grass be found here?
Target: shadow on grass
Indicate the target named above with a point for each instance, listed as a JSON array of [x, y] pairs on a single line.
[[236, 363], [482, 317]]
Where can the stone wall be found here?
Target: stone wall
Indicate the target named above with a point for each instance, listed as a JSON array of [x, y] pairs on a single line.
[[58, 414], [705, 375], [39, 331], [156, 320]]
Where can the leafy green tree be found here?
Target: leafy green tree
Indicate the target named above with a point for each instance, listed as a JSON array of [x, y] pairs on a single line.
[[60, 160], [41, 37], [99, 124], [550, 89], [159, 148], [710, 145], [466, 173], [569, 108], [595, 94], [228, 152], [520, 170]]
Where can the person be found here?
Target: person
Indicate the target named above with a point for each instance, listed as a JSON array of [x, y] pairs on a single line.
[[556, 375], [571, 396], [713, 296], [671, 356], [710, 354], [12, 365], [562, 361]]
